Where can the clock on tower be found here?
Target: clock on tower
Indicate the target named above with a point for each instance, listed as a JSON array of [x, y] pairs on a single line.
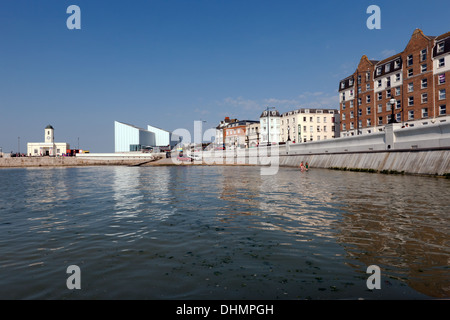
[[49, 134]]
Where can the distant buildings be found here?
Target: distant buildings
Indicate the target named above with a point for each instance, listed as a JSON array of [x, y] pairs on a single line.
[[236, 132], [270, 122], [128, 138], [304, 125], [413, 82], [49, 147], [297, 126]]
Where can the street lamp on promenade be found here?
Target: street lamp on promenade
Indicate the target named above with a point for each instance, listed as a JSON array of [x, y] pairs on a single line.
[[392, 102], [289, 136]]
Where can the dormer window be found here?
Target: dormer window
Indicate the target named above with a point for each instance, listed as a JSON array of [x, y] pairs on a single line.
[[440, 47]]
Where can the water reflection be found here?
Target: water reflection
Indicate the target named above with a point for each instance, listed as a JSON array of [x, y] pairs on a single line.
[[402, 225], [226, 232]]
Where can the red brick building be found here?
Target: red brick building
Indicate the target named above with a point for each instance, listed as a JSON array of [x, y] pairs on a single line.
[[416, 79]]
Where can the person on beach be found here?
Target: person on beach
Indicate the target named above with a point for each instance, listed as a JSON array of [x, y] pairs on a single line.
[[306, 166]]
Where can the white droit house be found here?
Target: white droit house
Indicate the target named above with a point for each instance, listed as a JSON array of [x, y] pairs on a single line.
[[49, 147]]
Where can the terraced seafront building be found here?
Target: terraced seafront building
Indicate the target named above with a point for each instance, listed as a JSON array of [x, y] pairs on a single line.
[[410, 86]]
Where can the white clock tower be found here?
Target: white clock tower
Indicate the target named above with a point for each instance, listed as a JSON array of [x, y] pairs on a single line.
[[49, 134]]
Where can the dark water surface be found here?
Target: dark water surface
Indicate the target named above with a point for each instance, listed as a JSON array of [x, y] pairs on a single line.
[[222, 233]]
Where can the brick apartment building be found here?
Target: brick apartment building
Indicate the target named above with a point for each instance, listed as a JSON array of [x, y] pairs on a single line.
[[417, 79]]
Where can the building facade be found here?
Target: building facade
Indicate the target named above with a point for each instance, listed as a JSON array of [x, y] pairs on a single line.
[[304, 125], [407, 87], [252, 135], [49, 147], [219, 141], [270, 127], [235, 134], [128, 138]]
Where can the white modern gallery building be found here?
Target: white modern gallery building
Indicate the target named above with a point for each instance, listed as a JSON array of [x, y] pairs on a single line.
[[129, 138]]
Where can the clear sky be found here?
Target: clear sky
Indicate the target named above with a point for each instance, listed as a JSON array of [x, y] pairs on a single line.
[[170, 62]]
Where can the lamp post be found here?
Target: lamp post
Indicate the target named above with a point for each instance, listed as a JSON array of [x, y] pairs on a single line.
[[289, 136], [392, 102]]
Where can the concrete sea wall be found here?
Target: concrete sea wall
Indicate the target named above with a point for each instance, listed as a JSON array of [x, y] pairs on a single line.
[[430, 162], [67, 162]]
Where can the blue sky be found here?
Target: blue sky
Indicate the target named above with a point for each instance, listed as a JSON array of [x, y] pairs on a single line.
[[169, 63]]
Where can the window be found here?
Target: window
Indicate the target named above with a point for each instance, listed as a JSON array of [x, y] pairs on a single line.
[[397, 91], [351, 104], [378, 83], [411, 115], [442, 110], [368, 86], [368, 123], [352, 126], [409, 60], [388, 81], [343, 127], [424, 112], [442, 94], [310, 128], [388, 93], [441, 78], [360, 112], [359, 101], [440, 47], [441, 63], [380, 108], [398, 105], [351, 114], [359, 79], [398, 117], [424, 97], [423, 55], [410, 101], [359, 89], [397, 64], [410, 87], [342, 85], [380, 95], [350, 82], [423, 68], [380, 121], [304, 128], [318, 128], [324, 128], [388, 106], [424, 83], [387, 68], [367, 76], [397, 77], [324, 119], [367, 99], [318, 119], [378, 71], [388, 118], [360, 124], [343, 108], [368, 110], [410, 72]]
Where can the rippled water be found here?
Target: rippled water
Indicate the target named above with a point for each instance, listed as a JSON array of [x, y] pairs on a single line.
[[211, 232]]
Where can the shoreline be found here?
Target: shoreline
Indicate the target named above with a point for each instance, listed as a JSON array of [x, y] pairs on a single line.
[[63, 162]]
